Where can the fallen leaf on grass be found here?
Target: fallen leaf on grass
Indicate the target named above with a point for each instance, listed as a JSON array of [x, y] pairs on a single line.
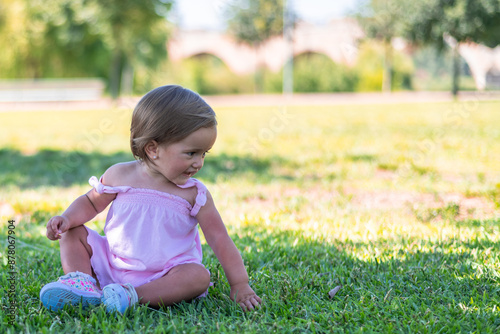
[[334, 291]]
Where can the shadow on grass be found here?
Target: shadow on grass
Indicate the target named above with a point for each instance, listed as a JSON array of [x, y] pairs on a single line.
[[455, 279], [258, 170], [53, 167], [412, 289], [65, 168]]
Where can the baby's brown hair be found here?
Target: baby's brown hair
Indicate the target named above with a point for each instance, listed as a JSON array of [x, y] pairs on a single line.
[[167, 114]]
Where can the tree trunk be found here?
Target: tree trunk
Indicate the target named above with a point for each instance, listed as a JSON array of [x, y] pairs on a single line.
[[387, 77], [456, 71], [116, 73], [33, 68], [288, 54], [259, 70], [288, 76], [127, 80]]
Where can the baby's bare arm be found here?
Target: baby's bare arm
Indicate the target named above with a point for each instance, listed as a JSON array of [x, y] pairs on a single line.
[[83, 209], [234, 268], [228, 255]]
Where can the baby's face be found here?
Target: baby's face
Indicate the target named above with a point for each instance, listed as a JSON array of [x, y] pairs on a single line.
[[180, 161]]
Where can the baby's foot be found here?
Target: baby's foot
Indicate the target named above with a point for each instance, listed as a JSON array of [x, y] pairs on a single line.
[[73, 288], [118, 297]]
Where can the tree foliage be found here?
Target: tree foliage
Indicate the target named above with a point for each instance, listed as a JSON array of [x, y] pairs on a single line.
[[429, 21], [68, 38], [384, 20], [255, 21], [458, 20], [464, 20], [433, 22], [136, 34]]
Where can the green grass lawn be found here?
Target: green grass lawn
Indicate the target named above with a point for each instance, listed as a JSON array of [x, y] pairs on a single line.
[[398, 204]]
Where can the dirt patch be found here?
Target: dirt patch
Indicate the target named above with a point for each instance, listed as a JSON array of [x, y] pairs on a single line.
[[458, 205], [423, 206]]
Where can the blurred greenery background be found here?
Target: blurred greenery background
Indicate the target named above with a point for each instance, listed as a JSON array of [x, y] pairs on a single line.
[[124, 42], [397, 203]]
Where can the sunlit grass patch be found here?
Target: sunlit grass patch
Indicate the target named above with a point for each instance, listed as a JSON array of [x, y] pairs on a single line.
[[397, 204]]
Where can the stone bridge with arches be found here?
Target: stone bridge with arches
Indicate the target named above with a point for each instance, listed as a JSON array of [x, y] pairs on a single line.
[[338, 40]]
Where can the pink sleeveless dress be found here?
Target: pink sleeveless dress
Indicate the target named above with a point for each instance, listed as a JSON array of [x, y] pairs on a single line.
[[147, 233]]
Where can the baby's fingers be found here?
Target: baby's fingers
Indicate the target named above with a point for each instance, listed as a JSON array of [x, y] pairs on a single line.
[[250, 304], [53, 228], [257, 298]]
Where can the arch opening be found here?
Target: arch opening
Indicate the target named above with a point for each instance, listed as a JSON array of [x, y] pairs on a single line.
[[208, 74], [317, 72]]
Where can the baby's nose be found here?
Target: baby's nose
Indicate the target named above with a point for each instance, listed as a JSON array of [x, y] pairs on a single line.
[[198, 163]]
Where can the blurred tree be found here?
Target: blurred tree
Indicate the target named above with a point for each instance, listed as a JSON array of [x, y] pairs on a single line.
[[455, 21], [314, 72], [67, 38], [369, 66], [255, 21], [136, 34], [384, 20]]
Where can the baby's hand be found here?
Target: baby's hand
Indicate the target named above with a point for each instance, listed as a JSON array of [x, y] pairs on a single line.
[[56, 226], [245, 296]]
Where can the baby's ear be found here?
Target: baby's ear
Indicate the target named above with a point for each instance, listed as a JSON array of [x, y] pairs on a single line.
[[151, 149]]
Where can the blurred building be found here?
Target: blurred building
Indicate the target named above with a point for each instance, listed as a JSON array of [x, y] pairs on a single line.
[[338, 40], [484, 64]]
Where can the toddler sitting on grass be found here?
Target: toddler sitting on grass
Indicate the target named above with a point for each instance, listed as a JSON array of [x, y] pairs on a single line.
[[151, 252]]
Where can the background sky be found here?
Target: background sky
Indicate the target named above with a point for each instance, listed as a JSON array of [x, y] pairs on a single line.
[[209, 14]]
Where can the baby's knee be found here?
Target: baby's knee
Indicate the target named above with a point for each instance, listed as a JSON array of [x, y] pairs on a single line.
[[201, 278], [73, 234], [205, 276]]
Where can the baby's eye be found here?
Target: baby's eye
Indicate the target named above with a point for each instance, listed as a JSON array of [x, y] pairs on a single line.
[[190, 153], [205, 153]]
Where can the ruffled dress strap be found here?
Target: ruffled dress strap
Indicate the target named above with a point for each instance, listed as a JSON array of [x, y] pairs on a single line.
[[201, 198], [101, 188]]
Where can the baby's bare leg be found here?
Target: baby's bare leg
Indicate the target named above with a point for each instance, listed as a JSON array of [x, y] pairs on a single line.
[[75, 251], [183, 282]]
